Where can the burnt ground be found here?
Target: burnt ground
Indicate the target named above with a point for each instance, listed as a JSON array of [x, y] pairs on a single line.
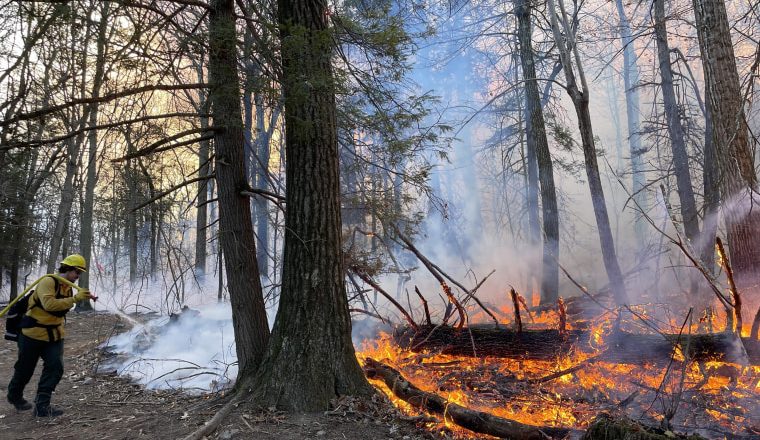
[[104, 406]]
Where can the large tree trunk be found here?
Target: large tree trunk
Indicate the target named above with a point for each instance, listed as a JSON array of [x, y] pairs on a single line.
[[537, 141], [631, 79], [235, 229], [568, 50], [311, 358], [736, 172]]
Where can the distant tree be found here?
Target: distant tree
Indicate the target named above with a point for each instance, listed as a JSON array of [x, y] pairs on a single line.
[[578, 90], [537, 141], [636, 149]]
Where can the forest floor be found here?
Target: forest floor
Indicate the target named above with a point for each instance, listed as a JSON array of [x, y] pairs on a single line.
[[105, 406]]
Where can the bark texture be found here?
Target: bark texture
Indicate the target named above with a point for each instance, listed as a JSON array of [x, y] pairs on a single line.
[[736, 173], [311, 358], [235, 230], [537, 141]]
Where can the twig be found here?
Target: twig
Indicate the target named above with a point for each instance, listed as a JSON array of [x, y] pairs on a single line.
[[583, 289], [425, 305], [439, 274], [570, 370], [375, 286]]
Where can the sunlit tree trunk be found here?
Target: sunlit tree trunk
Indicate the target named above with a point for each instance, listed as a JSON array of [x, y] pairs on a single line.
[[536, 131], [568, 50], [631, 79], [736, 172], [235, 230], [311, 358]]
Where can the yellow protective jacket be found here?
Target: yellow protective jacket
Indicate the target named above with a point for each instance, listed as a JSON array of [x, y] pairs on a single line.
[[44, 300]]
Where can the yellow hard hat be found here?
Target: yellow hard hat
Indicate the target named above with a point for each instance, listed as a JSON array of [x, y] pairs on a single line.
[[75, 260]]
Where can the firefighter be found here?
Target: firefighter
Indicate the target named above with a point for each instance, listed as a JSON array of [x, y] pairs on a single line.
[[42, 337]]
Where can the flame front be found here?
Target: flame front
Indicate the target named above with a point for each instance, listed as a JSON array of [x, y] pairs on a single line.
[[708, 397]]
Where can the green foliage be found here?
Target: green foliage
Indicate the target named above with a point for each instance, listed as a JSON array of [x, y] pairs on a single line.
[[387, 132]]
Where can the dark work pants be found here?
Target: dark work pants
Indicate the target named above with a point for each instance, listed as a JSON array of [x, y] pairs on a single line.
[[29, 351]]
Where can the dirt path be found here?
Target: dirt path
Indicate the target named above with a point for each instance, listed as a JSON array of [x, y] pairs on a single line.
[[102, 406]]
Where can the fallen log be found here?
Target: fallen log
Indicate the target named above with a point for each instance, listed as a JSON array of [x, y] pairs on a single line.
[[620, 347], [476, 421]]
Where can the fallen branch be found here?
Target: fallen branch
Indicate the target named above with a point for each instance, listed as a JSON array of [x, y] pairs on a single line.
[[366, 278], [476, 421], [215, 421], [439, 274]]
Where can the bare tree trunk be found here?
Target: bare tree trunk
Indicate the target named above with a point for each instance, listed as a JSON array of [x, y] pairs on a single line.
[[736, 172], [57, 241], [86, 233], [311, 358], [567, 46], [131, 229], [201, 219], [235, 230], [712, 194], [260, 176], [631, 79], [537, 141], [675, 129]]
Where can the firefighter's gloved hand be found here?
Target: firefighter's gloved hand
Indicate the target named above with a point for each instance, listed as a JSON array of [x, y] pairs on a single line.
[[82, 295]]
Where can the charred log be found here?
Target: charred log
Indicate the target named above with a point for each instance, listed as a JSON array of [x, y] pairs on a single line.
[[621, 347], [490, 341], [605, 427], [476, 421]]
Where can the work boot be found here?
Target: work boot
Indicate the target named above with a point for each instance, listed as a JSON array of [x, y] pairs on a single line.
[[20, 404], [47, 411]]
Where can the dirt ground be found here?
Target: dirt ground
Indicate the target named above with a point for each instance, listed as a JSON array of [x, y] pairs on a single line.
[[103, 406]]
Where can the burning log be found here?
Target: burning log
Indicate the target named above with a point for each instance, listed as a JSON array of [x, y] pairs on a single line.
[[490, 341], [622, 347], [605, 427], [476, 421]]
